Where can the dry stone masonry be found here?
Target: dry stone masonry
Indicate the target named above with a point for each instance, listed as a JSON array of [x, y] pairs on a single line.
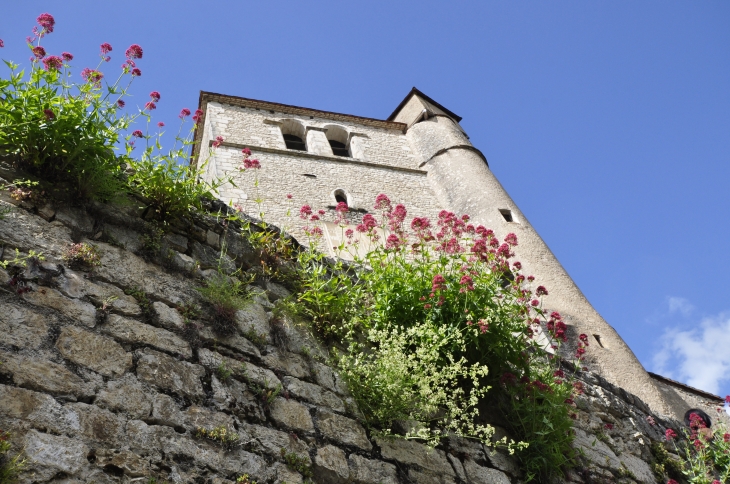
[[102, 381]]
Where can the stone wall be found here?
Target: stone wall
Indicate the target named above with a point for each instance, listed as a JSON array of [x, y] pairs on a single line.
[[117, 394]]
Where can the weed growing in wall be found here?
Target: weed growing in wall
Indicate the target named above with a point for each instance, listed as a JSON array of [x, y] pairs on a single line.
[[226, 294], [10, 466], [81, 255]]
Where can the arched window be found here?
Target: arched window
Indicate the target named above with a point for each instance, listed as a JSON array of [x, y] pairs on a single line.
[[294, 134], [339, 149], [340, 196], [294, 142], [338, 138]]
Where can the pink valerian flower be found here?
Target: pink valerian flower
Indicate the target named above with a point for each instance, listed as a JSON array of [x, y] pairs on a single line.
[[160, 124], [650, 420], [105, 48], [541, 291], [726, 437], [305, 212], [698, 445], [341, 207], [120, 103], [349, 233], [39, 52], [382, 202], [314, 218], [393, 242], [198, 115], [716, 482], [314, 231], [438, 282], [321, 212], [155, 96], [185, 112], [530, 278], [467, 282], [2, 44], [534, 303], [727, 399], [136, 72], [46, 21], [672, 481], [289, 196], [137, 133], [251, 164], [670, 434], [245, 151], [368, 223], [49, 114], [517, 265], [217, 142], [150, 106], [90, 75], [52, 63], [511, 239], [483, 326], [608, 426], [133, 52], [67, 56]]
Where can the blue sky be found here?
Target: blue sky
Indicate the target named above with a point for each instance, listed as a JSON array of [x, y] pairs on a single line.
[[607, 122]]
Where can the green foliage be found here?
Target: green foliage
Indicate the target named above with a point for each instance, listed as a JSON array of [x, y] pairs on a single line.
[[426, 323], [704, 454], [244, 479], [10, 466], [63, 132], [297, 463], [223, 372], [142, 299], [221, 435], [21, 260], [226, 294], [82, 254], [266, 393]]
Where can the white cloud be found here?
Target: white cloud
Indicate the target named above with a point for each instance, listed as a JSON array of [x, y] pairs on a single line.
[[680, 305], [699, 356]]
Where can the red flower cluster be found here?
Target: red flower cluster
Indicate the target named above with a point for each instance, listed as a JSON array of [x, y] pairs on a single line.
[[368, 224], [91, 75], [198, 115], [150, 106], [67, 56], [49, 114], [670, 434], [133, 52], [160, 124], [382, 202], [39, 52], [218, 141], [137, 133], [305, 212], [136, 72], [155, 96], [52, 63], [105, 48], [46, 21], [120, 103], [2, 44], [185, 112]]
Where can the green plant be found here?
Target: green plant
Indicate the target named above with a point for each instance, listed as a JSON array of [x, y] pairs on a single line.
[[704, 454], [244, 479], [430, 319], [226, 294], [152, 239], [223, 372], [220, 434], [297, 463], [82, 255], [189, 311], [21, 260], [266, 392], [10, 467], [142, 299]]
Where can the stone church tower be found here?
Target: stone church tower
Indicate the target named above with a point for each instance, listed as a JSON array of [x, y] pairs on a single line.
[[421, 157]]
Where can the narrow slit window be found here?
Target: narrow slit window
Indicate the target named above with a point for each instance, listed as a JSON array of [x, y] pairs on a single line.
[[294, 142], [339, 149], [598, 340], [309, 175], [507, 214]]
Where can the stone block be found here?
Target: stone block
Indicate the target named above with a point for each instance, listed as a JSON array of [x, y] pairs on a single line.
[[313, 393], [22, 327], [134, 332], [167, 373], [288, 363], [639, 468], [330, 465], [291, 414], [367, 471], [253, 320], [167, 317], [213, 239], [284, 475], [427, 477], [122, 237], [79, 311], [210, 258], [484, 475], [234, 342], [410, 452], [271, 441], [176, 242], [165, 411], [59, 454], [125, 395], [458, 466], [342, 429], [595, 451], [200, 417], [323, 375], [130, 463], [98, 424], [98, 353], [38, 409], [503, 462], [44, 376]]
